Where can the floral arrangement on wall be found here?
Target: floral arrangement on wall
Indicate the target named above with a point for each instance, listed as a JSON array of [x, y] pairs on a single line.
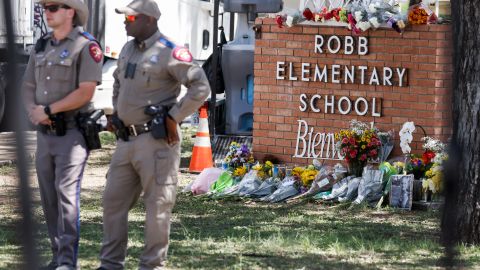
[[359, 15]]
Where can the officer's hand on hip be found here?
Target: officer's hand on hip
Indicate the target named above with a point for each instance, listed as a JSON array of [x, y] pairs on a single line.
[[110, 127], [172, 135]]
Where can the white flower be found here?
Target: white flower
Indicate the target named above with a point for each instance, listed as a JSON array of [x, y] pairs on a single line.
[[372, 8], [432, 144], [364, 26], [289, 21], [405, 147], [358, 16], [374, 22], [406, 136]]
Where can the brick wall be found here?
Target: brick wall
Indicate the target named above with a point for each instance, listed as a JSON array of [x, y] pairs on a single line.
[[426, 52]]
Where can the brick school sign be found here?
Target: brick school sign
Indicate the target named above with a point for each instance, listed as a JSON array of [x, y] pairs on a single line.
[[311, 80]]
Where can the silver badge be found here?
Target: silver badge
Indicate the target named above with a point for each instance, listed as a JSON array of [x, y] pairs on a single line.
[[154, 59]]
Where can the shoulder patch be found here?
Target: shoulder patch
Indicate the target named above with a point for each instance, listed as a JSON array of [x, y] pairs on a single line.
[[95, 52], [167, 43], [182, 54]]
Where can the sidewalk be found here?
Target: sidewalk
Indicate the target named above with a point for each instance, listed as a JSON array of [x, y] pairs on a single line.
[[8, 146]]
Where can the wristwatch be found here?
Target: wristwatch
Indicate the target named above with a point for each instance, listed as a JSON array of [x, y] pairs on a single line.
[[47, 110]]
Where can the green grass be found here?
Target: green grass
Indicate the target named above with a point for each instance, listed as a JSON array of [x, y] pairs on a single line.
[[7, 169], [187, 141], [248, 235], [107, 138], [242, 234]]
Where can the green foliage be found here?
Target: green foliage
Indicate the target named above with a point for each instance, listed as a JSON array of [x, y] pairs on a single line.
[[107, 138]]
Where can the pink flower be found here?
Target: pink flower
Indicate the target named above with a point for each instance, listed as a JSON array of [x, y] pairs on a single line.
[[373, 153], [352, 141], [345, 141], [363, 157]]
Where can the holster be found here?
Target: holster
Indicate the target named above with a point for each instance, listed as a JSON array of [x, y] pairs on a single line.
[[121, 131], [59, 125], [158, 122], [90, 129]]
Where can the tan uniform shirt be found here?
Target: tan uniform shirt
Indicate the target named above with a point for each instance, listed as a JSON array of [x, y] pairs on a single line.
[[158, 77], [60, 68]]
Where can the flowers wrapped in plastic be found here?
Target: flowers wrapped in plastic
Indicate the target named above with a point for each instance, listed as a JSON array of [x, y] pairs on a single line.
[[286, 189], [238, 156], [360, 15], [419, 14]]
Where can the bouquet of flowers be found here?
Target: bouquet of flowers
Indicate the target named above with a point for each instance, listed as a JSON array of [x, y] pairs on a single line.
[[435, 155], [420, 14], [304, 177], [417, 166], [263, 171], [387, 140], [358, 144], [238, 158], [434, 179]]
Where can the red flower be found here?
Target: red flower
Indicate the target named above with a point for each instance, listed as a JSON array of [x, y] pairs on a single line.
[[427, 156], [279, 20], [373, 153], [363, 157], [353, 153], [307, 13], [335, 14]]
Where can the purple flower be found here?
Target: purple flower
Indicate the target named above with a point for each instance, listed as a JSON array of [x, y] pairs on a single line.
[[244, 149]]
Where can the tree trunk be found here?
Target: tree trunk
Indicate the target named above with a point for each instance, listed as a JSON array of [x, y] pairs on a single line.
[[466, 121]]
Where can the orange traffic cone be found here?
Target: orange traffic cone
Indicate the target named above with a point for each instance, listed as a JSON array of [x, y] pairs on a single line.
[[202, 149]]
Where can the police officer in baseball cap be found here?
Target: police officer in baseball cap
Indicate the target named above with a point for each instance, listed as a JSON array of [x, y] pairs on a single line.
[[151, 69], [59, 82]]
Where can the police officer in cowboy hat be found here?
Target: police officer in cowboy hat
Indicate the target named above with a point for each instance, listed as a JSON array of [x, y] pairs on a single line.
[[150, 72], [59, 82]]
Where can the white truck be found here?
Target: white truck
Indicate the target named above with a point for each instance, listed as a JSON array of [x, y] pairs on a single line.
[[187, 22]]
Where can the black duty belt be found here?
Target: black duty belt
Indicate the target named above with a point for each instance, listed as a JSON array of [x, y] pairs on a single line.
[[135, 130], [48, 129]]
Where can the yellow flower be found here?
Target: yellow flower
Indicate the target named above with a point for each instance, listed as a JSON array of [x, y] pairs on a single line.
[[363, 147], [257, 167], [297, 171], [240, 171], [269, 163], [307, 176]]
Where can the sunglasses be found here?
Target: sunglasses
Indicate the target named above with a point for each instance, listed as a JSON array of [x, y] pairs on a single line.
[[130, 18], [55, 8]]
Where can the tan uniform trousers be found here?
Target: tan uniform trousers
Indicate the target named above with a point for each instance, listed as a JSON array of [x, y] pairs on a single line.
[[60, 161], [141, 164]]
